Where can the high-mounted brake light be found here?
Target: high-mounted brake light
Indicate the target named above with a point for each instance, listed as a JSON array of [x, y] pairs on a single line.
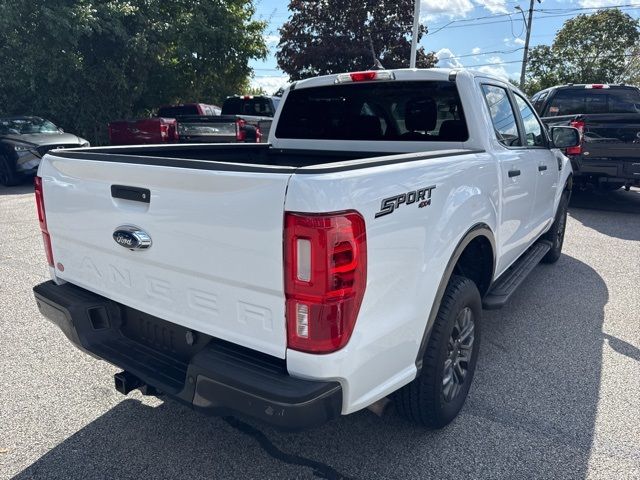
[[325, 263], [42, 219], [577, 150], [596, 86], [365, 76], [241, 132]]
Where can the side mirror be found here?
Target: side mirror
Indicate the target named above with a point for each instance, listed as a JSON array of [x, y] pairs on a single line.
[[60, 130], [565, 137]]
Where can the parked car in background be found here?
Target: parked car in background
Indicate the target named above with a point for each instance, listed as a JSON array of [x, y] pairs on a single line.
[[609, 118], [347, 260], [23, 142], [245, 118], [253, 105], [163, 128]]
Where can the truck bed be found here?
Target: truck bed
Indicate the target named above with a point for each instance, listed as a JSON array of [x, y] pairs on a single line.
[[247, 157]]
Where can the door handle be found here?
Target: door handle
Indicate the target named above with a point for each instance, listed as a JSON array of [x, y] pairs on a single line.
[[134, 194], [542, 168], [514, 173]]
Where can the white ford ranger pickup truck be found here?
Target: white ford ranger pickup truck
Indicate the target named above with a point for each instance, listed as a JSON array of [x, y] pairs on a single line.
[[345, 261]]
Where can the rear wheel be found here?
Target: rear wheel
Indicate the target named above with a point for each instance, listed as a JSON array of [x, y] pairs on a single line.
[[436, 396], [556, 233], [8, 175]]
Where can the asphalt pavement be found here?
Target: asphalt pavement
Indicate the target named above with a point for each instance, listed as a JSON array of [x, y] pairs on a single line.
[[556, 392]]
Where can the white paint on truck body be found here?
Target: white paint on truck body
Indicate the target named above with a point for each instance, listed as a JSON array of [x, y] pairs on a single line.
[[216, 265]]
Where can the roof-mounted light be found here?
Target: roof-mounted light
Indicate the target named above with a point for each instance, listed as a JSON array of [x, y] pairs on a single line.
[[367, 76], [596, 86]]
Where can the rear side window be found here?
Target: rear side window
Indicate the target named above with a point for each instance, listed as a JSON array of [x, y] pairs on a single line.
[[399, 111], [172, 112], [502, 115], [538, 100], [572, 101]]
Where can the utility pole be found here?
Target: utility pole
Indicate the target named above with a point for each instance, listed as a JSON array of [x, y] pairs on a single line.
[[526, 41], [414, 38]]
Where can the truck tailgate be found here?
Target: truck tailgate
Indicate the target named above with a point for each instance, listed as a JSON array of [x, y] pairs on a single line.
[[215, 262], [612, 136]]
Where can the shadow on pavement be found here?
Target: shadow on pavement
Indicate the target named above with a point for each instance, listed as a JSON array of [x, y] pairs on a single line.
[[617, 201], [623, 348], [24, 187], [612, 213], [530, 414]]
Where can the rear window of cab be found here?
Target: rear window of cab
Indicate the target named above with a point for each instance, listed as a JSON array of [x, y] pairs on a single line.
[[572, 101], [395, 110]]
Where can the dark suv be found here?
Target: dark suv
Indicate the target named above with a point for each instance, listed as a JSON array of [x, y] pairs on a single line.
[[609, 118]]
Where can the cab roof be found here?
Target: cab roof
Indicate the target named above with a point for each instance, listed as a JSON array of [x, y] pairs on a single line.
[[404, 74]]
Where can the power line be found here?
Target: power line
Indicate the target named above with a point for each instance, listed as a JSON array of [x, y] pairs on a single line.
[[469, 21], [593, 57], [576, 9]]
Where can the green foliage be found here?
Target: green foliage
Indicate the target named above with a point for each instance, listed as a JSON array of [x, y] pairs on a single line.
[[330, 36], [594, 48], [83, 63]]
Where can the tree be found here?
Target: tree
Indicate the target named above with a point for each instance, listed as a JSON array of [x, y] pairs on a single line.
[[594, 48], [329, 36], [83, 63]]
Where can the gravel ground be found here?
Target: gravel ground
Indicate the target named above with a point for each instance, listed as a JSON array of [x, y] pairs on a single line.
[[556, 393]]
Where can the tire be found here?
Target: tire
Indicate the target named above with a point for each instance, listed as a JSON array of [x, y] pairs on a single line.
[[556, 233], [434, 398], [8, 175]]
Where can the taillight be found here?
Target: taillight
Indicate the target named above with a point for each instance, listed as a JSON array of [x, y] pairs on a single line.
[[325, 262], [579, 124], [164, 132], [241, 133], [42, 218]]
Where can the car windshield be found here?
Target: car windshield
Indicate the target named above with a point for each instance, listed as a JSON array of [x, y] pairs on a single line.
[[26, 125], [177, 110]]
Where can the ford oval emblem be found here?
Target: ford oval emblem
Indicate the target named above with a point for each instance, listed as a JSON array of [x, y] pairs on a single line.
[[132, 237]]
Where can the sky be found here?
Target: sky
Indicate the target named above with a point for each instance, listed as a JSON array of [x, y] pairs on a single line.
[[486, 35]]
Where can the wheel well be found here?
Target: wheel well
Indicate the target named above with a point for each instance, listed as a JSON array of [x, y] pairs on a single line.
[[569, 185], [476, 263]]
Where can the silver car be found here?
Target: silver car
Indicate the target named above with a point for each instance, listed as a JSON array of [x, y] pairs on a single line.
[[23, 142]]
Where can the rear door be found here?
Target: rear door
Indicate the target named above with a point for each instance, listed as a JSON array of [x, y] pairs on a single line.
[[536, 144], [215, 262], [519, 176]]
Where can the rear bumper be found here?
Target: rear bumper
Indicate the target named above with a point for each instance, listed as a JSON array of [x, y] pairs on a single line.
[[610, 169], [212, 376]]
